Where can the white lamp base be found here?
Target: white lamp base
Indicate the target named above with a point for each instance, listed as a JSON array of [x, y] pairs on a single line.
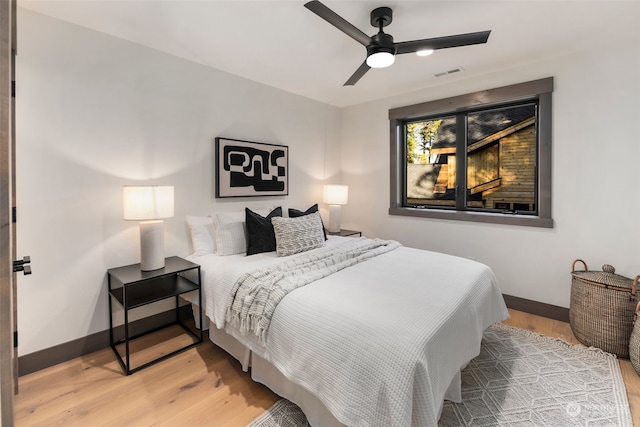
[[334, 219], [151, 245]]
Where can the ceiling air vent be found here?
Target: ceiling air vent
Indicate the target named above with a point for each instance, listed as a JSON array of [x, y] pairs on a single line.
[[453, 71]]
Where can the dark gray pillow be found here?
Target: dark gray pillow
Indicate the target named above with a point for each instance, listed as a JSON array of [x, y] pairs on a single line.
[[260, 235], [295, 213]]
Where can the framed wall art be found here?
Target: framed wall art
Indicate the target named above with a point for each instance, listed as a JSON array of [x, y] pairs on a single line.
[[247, 169]]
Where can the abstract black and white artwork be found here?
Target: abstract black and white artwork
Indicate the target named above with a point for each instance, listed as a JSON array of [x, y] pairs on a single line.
[[245, 168]]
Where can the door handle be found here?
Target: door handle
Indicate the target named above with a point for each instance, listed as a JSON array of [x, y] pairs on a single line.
[[22, 265]]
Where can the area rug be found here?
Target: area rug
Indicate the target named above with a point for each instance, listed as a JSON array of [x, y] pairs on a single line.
[[521, 378]]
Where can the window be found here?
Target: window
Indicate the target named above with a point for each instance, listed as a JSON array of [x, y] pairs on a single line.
[[484, 156]]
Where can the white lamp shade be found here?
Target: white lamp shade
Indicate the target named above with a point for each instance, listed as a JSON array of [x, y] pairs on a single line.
[[336, 194], [147, 202]]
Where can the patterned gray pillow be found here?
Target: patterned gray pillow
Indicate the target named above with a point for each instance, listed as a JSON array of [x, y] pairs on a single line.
[[294, 235]]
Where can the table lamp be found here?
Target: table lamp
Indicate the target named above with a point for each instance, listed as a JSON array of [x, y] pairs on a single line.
[[334, 196], [149, 204]]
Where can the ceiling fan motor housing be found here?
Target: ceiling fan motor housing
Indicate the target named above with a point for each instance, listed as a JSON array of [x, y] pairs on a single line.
[[381, 42]]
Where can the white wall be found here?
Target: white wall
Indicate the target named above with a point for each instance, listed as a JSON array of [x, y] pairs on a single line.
[[95, 113], [596, 191]]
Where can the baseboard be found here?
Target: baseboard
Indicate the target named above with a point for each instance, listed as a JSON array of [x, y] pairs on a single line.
[[38, 360], [538, 308]]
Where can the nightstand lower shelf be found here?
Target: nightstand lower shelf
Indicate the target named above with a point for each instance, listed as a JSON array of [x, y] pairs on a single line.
[[142, 346]]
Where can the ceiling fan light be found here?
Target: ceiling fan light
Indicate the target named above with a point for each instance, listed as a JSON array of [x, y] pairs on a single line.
[[424, 52], [380, 59]]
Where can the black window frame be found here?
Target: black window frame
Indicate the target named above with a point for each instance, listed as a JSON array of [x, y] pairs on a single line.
[[538, 90]]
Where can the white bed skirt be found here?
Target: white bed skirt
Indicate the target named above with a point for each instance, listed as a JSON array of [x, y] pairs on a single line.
[[265, 373]]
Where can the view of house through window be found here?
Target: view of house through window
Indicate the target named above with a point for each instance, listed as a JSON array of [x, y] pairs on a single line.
[[482, 156], [499, 149]]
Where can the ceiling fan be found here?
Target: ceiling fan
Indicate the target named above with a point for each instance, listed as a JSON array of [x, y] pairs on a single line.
[[381, 49]]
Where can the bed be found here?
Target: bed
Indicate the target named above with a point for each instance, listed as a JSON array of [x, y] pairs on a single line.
[[379, 343]]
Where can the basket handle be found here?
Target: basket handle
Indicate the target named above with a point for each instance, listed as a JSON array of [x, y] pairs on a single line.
[[634, 287], [573, 268]]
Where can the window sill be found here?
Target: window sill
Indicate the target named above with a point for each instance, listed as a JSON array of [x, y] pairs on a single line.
[[490, 218]]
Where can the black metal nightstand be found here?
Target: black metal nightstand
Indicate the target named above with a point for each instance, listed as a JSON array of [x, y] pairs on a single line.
[[132, 288], [345, 233]]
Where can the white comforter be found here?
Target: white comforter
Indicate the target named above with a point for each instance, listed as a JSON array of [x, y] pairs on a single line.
[[379, 342]]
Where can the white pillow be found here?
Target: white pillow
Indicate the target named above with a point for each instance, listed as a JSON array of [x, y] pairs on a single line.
[[294, 235], [201, 228], [230, 231]]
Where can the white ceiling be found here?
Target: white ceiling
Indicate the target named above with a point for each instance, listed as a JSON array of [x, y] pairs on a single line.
[[282, 44]]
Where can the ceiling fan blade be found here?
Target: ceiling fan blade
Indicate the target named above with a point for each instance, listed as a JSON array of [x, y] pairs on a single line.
[[361, 71], [443, 42], [337, 21]]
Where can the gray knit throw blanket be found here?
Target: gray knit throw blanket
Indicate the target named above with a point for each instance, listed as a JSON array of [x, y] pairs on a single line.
[[255, 295]]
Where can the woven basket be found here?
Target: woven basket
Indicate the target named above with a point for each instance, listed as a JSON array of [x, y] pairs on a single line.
[[602, 308], [634, 343]]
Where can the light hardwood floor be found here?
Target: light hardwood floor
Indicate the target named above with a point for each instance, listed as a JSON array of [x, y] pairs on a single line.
[[200, 387]]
